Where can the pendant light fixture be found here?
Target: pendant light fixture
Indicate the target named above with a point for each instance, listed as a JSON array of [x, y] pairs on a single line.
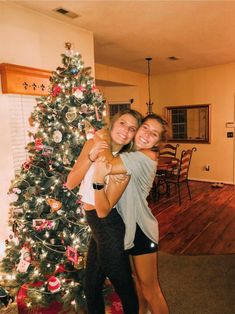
[[149, 103]]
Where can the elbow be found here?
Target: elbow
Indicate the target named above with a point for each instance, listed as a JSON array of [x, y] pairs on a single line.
[[102, 214], [70, 184]]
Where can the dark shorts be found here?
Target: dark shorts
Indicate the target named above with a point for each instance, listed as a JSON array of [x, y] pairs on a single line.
[[142, 244]]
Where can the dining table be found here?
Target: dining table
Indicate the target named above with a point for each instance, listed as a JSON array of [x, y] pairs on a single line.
[[166, 165]]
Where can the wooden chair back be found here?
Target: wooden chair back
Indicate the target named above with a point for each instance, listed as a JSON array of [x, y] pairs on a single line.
[[184, 165], [182, 173], [169, 150]]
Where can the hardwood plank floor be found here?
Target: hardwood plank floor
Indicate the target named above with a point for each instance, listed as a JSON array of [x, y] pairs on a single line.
[[203, 225]]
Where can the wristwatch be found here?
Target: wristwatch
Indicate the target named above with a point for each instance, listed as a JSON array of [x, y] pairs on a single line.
[[98, 186]]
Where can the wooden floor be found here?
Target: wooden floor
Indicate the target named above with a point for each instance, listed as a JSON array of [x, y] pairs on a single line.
[[204, 225]]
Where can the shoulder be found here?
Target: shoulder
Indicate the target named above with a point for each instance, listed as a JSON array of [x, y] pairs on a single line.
[[149, 153]]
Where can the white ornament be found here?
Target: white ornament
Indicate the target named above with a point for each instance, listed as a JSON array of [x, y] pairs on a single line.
[[23, 266], [57, 136], [14, 197], [84, 108], [25, 254], [89, 135], [78, 94], [11, 237], [17, 190]]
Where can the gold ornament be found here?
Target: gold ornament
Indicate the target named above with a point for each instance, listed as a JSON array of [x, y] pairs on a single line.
[[31, 121], [71, 116], [54, 204]]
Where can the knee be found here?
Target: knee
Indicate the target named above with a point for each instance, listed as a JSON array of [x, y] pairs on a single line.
[[150, 289], [147, 292]]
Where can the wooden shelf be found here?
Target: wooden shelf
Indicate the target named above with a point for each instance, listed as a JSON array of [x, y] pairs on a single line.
[[17, 79]]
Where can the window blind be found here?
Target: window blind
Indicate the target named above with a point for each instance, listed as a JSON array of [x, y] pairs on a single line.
[[20, 108]]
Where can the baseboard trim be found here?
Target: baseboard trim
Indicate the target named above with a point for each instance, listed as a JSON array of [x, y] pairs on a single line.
[[212, 181]]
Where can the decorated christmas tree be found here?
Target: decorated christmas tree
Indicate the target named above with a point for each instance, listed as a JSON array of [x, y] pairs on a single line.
[[47, 250]]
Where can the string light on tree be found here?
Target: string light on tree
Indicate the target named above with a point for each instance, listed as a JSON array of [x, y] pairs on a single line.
[[48, 216]]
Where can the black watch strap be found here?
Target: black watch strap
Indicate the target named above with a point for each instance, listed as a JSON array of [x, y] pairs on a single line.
[[98, 186]]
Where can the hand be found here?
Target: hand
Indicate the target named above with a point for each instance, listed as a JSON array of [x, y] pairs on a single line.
[[119, 178], [102, 134], [102, 169], [97, 148]]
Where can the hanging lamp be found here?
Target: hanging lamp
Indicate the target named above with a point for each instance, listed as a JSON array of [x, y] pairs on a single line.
[[149, 103]]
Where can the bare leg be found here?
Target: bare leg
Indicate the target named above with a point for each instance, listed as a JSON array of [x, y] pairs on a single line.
[[143, 307], [146, 271]]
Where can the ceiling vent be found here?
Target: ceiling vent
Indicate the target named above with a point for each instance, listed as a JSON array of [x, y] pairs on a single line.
[[173, 58], [65, 12]]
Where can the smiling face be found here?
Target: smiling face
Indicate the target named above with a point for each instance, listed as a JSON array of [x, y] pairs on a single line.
[[149, 134], [123, 131]]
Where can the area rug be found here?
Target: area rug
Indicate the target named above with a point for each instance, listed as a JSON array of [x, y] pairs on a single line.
[[202, 284]]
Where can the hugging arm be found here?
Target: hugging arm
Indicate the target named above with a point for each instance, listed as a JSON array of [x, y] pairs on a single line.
[[118, 166], [106, 198], [89, 152]]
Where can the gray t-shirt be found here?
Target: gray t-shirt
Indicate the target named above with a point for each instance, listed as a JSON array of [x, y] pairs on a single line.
[[133, 206]]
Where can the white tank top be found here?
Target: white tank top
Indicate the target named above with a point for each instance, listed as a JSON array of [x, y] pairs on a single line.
[[86, 188]]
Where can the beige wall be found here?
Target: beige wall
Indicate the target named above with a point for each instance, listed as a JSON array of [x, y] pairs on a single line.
[[30, 39], [136, 89], [215, 86]]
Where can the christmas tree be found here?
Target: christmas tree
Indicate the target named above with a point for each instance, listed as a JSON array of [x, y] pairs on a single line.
[[47, 251]]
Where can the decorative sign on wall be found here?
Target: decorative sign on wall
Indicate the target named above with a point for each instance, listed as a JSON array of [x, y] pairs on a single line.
[[21, 80]]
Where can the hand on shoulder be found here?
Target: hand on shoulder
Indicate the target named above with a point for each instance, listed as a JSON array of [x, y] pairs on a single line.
[[103, 135]]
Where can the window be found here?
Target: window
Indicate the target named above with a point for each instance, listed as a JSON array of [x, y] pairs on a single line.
[[116, 107], [189, 123], [179, 123]]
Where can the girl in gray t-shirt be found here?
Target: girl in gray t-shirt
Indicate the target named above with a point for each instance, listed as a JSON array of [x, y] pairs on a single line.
[[129, 198]]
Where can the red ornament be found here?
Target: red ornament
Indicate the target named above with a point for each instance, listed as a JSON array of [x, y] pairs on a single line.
[[53, 284], [82, 88], [38, 144], [56, 90], [95, 90], [72, 254], [60, 269], [26, 165], [41, 224], [54, 308], [116, 305]]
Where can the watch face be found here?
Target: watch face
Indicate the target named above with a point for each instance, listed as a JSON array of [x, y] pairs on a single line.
[[98, 186]]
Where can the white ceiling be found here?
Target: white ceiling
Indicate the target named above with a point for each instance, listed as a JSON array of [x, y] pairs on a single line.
[[199, 33]]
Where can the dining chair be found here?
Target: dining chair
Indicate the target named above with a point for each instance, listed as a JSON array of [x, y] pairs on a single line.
[[181, 175], [169, 150]]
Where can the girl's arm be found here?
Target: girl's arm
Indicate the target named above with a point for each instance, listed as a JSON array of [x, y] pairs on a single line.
[[88, 154], [105, 199], [118, 165]]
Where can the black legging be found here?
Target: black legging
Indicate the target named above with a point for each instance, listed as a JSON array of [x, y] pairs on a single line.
[[107, 258]]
